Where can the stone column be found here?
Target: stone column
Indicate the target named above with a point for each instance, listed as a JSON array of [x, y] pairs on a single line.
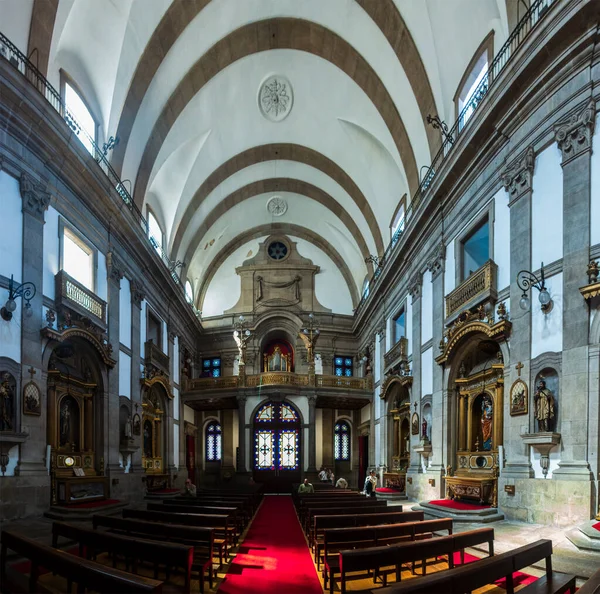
[[241, 400], [227, 449], [574, 138], [517, 179], [312, 433], [137, 296], [111, 393], [33, 451], [415, 292], [440, 434], [383, 412], [328, 438], [170, 449]]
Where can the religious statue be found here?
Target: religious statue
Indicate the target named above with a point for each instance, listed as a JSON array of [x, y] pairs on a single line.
[[241, 340], [6, 404], [137, 429], [128, 428], [487, 414], [147, 440], [424, 430], [407, 445], [544, 407], [65, 423]]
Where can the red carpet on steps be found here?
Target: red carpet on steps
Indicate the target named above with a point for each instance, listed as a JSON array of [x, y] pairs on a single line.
[[459, 505], [274, 557]]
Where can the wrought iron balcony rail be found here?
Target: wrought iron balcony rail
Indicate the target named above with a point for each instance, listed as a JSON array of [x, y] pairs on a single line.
[[279, 379], [536, 12], [80, 299], [481, 283], [15, 57]]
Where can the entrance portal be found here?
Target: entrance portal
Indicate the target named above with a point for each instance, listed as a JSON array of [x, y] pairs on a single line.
[[277, 447]]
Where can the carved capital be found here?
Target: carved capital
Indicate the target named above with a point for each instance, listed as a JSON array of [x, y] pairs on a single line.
[[312, 401], [517, 178], [574, 136], [435, 263], [113, 267], [241, 399], [138, 294], [35, 196], [414, 286]]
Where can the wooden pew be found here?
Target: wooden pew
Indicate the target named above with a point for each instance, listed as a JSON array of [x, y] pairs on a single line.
[[311, 512], [246, 502], [86, 574], [133, 550], [244, 506], [231, 512], [592, 586], [202, 539], [219, 522], [472, 576]]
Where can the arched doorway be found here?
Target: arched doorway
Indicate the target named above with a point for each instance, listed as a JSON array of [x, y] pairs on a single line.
[[277, 454]]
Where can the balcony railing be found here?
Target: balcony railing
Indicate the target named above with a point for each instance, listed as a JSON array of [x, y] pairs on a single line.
[[155, 357], [537, 11], [21, 63], [279, 379], [80, 299], [399, 352], [481, 283]]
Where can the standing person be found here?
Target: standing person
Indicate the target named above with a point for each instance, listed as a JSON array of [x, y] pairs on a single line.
[[329, 476], [306, 487], [190, 489], [323, 475], [370, 483]]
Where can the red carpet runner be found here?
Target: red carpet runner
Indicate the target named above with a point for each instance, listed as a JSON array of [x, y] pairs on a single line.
[[274, 557]]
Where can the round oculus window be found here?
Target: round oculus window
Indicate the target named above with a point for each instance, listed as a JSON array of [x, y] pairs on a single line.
[[277, 250]]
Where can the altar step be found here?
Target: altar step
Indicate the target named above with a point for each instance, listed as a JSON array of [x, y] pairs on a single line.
[[585, 537], [483, 516], [65, 513]]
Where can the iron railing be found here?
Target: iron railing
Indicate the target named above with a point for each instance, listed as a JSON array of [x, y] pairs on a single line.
[[536, 12], [13, 55]]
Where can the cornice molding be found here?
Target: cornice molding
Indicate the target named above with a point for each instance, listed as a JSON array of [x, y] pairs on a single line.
[[436, 261], [114, 267], [518, 177], [574, 136], [414, 286], [35, 196]]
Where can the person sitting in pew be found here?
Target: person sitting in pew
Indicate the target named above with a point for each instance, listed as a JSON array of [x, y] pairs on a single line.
[[190, 489], [342, 483], [306, 487]]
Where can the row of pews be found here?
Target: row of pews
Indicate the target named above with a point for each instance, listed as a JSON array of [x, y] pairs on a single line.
[[183, 536], [354, 537]]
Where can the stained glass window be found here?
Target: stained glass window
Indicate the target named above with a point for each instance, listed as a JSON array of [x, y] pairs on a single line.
[[288, 450], [342, 366], [211, 367], [288, 414], [213, 442], [265, 413], [264, 442], [341, 441]]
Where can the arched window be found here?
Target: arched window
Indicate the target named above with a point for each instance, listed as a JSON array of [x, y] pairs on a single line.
[[79, 118], [341, 441], [365, 288], [189, 292], [155, 232], [397, 226], [213, 442]]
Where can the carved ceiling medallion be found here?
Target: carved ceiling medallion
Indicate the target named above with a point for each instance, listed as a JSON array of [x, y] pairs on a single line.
[[277, 206], [275, 98]]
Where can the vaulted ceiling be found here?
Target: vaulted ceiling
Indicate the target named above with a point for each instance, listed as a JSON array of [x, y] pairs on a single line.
[[182, 82]]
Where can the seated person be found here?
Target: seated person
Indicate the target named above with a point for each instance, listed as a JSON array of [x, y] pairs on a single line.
[[306, 487], [342, 483], [370, 484], [323, 475], [190, 489]]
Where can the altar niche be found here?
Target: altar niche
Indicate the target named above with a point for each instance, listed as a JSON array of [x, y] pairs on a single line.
[[480, 411], [74, 382], [399, 431], [278, 356], [154, 405]]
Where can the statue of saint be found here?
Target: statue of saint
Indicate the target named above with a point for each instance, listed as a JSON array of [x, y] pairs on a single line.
[[147, 440], [487, 414], [424, 429], [65, 423], [128, 429], [6, 405], [544, 407]]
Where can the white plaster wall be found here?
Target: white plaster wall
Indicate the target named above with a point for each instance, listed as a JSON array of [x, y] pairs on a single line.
[[10, 332], [165, 337], [389, 329], [51, 251], [236, 434], [125, 313], [176, 404], [102, 277], [377, 443], [501, 254], [319, 437], [304, 447], [176, 445], [546, 329], [143, 327], [378, 356], [450, 269], [301, 403], [176, 362], [11, 238], [595, 193], [427, 372], [15, 21], [426, 308], [536, 465], [409, 323], [188, 414], [365, 413], [547, 208], [124, 374]]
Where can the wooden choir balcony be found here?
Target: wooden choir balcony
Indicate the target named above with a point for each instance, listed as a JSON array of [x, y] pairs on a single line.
[[397, 354], [154, 357], [76, 297], [363, 384], [478, 288]]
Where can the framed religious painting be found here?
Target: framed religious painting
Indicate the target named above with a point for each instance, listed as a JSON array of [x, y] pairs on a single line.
[[519, 398], [414, 423], [32, 399]]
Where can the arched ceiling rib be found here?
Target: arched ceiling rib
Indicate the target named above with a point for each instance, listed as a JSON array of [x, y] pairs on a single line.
[[277, 185], [40, 32], [277, 33], [269, 229], [271, 152]]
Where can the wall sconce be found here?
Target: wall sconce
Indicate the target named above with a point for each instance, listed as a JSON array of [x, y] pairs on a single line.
[[509, 489], [432, 482], [26, 291], [526, 280], [409, 480]]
